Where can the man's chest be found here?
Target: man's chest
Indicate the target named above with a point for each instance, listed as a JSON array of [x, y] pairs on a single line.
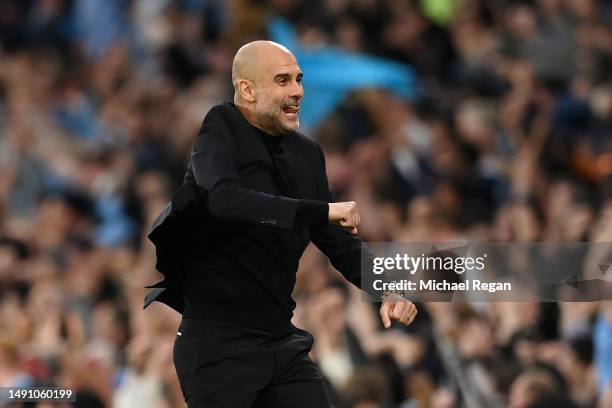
[[286, 173]]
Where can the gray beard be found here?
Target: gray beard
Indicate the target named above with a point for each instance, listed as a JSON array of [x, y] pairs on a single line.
[[270, 121]]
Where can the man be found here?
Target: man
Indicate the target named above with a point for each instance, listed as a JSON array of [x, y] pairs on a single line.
[[236, 346]]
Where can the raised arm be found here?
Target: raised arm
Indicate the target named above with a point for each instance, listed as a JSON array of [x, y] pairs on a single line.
[[215, 167]]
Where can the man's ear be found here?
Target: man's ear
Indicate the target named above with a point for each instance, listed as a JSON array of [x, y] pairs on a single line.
[[247, 90]]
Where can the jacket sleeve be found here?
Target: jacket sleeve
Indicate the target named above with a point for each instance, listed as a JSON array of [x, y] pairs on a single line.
[[215, 167], [341, 247]]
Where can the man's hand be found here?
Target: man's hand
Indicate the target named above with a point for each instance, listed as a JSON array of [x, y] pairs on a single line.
[[403, 311], [345, 214]]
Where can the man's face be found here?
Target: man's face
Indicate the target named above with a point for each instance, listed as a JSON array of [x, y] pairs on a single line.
[[279, 94]]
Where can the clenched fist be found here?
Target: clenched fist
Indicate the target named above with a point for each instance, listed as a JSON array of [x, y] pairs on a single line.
[[403, 311], [345, 214]]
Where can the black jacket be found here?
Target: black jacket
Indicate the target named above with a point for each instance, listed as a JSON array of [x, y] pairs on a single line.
[[240, 184]]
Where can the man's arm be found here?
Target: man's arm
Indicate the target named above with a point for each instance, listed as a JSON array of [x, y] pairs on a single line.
[[342, 248], [344, 251], [337, 243], [215, 167]]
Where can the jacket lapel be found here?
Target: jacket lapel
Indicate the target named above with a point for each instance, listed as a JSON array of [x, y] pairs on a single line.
[[251, 143]]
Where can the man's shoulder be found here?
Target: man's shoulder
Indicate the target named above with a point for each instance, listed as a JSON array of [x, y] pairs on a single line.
[[223, 109], [223, 120]]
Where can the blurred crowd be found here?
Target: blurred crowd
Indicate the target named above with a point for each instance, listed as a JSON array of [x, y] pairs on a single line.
[[509, 139]]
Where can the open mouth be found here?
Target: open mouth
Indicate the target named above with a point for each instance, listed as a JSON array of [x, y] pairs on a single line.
[[291, 112]]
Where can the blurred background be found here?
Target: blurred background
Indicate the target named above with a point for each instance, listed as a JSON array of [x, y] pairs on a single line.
[[486, 120]]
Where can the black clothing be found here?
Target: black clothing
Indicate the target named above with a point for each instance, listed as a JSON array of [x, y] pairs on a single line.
[[229, 245], [265, 199], [223, 365], [248, 278]]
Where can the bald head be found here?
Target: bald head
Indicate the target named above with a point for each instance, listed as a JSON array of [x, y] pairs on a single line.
[[257, 56], [267, 86]]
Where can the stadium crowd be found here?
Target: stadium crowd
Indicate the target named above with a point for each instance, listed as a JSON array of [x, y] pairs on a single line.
[[509, 138]]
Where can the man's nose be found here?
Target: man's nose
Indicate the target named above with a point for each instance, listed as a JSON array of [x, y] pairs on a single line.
[[296, 91]]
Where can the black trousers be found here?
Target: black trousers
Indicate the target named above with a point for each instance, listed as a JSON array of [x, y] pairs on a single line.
[[224, 365]]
